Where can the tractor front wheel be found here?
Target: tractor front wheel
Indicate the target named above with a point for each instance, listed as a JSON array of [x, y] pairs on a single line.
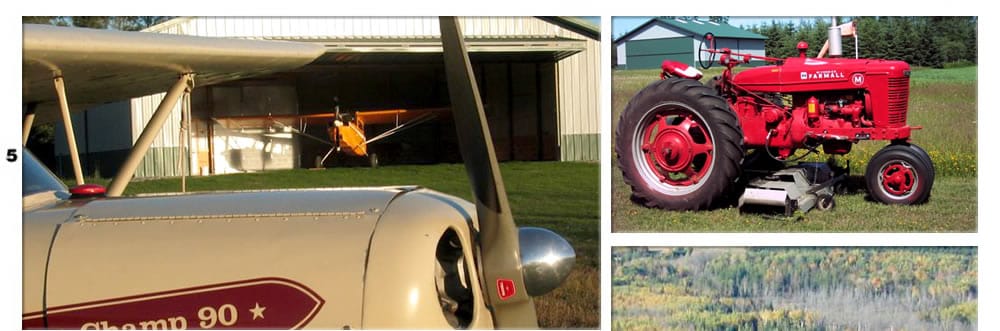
[[922, 154], [899, 175], [679, 145]]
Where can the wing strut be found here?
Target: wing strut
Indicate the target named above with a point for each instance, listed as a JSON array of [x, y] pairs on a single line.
[[184, 140], [183, 86], [400, 127], [29, 118], [68, 124]]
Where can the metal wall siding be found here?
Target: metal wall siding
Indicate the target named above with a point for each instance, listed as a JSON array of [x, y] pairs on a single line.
[[580, 147], [622, 53], [59, 140], [658, 46], [579, 97], [143, 109], [375, 27], [108, 127], [657, 31], [159, 162]]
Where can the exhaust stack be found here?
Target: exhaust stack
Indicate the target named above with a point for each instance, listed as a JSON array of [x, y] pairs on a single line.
[[833, 35]]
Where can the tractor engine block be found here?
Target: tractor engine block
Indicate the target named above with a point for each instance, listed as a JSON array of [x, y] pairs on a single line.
[[805, 103], [804, 119]]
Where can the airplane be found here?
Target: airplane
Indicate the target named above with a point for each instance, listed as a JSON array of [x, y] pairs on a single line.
[[346, 132], [376, 257]]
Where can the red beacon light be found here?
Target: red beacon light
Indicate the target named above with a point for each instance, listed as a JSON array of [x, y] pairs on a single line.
[[87, 191]]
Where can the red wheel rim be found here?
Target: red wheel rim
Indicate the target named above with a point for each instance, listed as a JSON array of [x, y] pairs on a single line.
[[898, 178], [677, 147]]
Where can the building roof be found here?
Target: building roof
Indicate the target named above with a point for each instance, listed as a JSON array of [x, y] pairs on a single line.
[[695, 28], [575, 24], [381, 27], [384, 39]]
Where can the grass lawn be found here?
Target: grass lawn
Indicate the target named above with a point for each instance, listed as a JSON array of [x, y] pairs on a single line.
[[561, 196], [942, 101]]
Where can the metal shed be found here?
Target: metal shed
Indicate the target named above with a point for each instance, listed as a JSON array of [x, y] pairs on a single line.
[[539, 78], [646, 46]]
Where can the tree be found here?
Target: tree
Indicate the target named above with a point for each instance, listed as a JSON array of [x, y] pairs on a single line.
[[123, 23], [37, 19], [135, 23], [719, 19], [94, 22], [716, 19], [921, 41]]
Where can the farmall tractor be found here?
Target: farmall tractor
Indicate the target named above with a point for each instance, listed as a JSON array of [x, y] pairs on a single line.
[[683, 145]]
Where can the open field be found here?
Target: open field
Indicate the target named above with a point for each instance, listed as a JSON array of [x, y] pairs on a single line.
[[561, 196], [942, 101]]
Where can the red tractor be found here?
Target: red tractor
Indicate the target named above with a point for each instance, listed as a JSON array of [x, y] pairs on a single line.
[[682, 145]]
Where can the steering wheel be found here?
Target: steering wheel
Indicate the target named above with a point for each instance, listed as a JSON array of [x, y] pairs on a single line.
[[710, 38]]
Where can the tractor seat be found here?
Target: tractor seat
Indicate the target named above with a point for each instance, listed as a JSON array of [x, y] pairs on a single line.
[[679, 69]]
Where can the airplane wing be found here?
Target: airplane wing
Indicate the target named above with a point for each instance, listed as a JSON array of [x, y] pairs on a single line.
[[400, 119], [101, 66], [258, 122], [398, 116]]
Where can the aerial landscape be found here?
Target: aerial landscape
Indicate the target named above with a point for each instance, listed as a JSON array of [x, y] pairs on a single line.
[[786, 288]]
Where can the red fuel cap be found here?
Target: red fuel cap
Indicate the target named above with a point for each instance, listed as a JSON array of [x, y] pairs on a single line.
[[87, 191]]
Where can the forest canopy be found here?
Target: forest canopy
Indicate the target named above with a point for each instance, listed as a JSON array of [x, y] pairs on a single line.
[[920, 41], [794, 288]]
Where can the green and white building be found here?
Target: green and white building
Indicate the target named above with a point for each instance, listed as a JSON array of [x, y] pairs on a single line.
[[646, 46]]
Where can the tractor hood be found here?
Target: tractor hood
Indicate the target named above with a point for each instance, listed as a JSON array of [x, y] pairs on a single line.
[[808, 74]]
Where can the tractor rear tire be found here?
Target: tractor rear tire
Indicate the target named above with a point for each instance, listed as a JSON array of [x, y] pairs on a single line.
[[679, 145], [758, 159], [898, 175], [713, 83]]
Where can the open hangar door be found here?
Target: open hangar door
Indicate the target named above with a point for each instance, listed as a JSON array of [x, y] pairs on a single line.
[[517, 89]]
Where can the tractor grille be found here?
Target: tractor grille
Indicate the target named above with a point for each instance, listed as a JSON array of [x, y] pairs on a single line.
[[899, 95]]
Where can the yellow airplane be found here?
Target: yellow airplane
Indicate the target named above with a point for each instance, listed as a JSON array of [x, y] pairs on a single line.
[[346, 132], [400, 257]]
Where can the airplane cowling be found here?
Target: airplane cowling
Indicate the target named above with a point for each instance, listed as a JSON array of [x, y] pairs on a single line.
[[421, 270], [294, 258]]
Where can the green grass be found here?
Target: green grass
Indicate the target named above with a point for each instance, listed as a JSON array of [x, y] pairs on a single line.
[[942, 101], [958, 75], [952, 208], [561, 196]]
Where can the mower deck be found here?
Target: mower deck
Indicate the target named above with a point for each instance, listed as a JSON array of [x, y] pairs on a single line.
[[800, 187]]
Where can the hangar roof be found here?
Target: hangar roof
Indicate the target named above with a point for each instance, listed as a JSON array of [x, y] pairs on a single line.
[[381, 39]]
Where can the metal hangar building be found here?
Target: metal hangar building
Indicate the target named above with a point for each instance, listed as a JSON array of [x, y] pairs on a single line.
[[538, 77]]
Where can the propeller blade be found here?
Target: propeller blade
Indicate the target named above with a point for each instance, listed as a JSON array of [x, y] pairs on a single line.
[[499, 253]]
